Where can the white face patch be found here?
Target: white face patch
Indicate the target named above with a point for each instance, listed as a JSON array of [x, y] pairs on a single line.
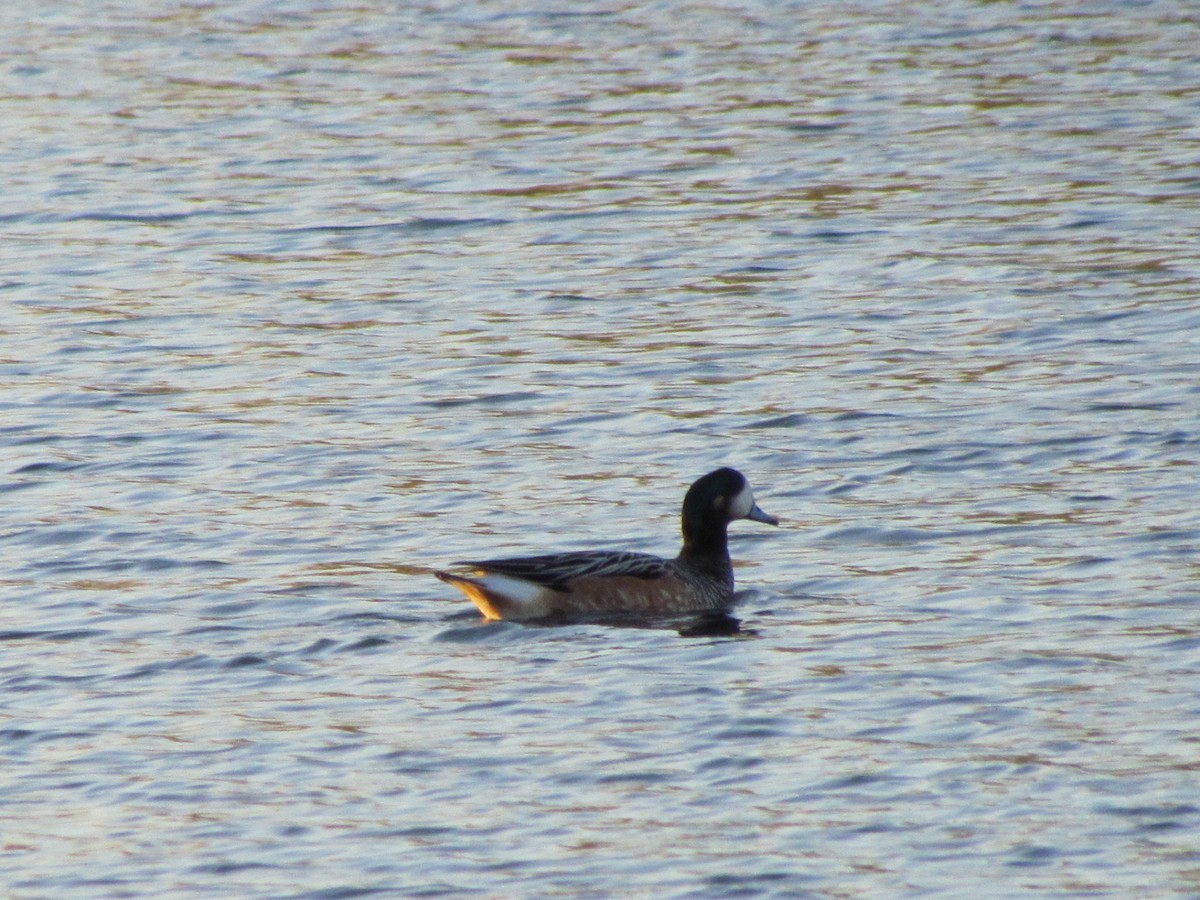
[[742, 503]]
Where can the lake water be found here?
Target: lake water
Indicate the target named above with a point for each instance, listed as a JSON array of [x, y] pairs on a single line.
[[300, 300]]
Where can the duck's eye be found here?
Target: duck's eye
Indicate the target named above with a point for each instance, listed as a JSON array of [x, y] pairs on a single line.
[[719, 501]]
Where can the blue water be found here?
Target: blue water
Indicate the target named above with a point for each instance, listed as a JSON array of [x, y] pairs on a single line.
[[299, 302]]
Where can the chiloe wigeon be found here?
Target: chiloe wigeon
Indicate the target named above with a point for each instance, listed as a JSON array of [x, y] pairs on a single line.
[[604, 583]]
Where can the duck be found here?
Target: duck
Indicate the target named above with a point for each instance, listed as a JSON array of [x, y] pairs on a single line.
[[593, 584]]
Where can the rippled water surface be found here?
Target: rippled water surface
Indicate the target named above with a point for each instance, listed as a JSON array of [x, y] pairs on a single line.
[[300, 300]]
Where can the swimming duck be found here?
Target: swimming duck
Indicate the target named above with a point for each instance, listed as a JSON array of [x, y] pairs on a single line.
[[599, 583]]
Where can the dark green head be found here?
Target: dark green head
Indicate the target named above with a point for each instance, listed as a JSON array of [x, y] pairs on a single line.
[[715, 500]]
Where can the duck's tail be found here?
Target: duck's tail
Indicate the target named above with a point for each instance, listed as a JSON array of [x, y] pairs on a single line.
[[498, 596]]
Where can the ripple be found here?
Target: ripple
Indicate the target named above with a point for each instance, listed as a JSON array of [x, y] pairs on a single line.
[[344, 294]]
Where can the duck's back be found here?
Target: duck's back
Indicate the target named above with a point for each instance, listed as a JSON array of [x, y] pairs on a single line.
[[558, 570], [586, 584]]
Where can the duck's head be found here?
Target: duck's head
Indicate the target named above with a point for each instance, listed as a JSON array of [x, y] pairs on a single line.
[[717, 499]]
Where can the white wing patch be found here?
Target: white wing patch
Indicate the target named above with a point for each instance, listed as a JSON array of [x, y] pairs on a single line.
[[517, 590]]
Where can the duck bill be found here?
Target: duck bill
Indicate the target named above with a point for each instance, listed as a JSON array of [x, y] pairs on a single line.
[[756, 514]]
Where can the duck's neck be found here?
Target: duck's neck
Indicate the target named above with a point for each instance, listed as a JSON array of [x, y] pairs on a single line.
[[707, 552]]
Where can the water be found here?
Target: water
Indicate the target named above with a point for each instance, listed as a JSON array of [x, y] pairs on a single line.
[[302, 300]]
